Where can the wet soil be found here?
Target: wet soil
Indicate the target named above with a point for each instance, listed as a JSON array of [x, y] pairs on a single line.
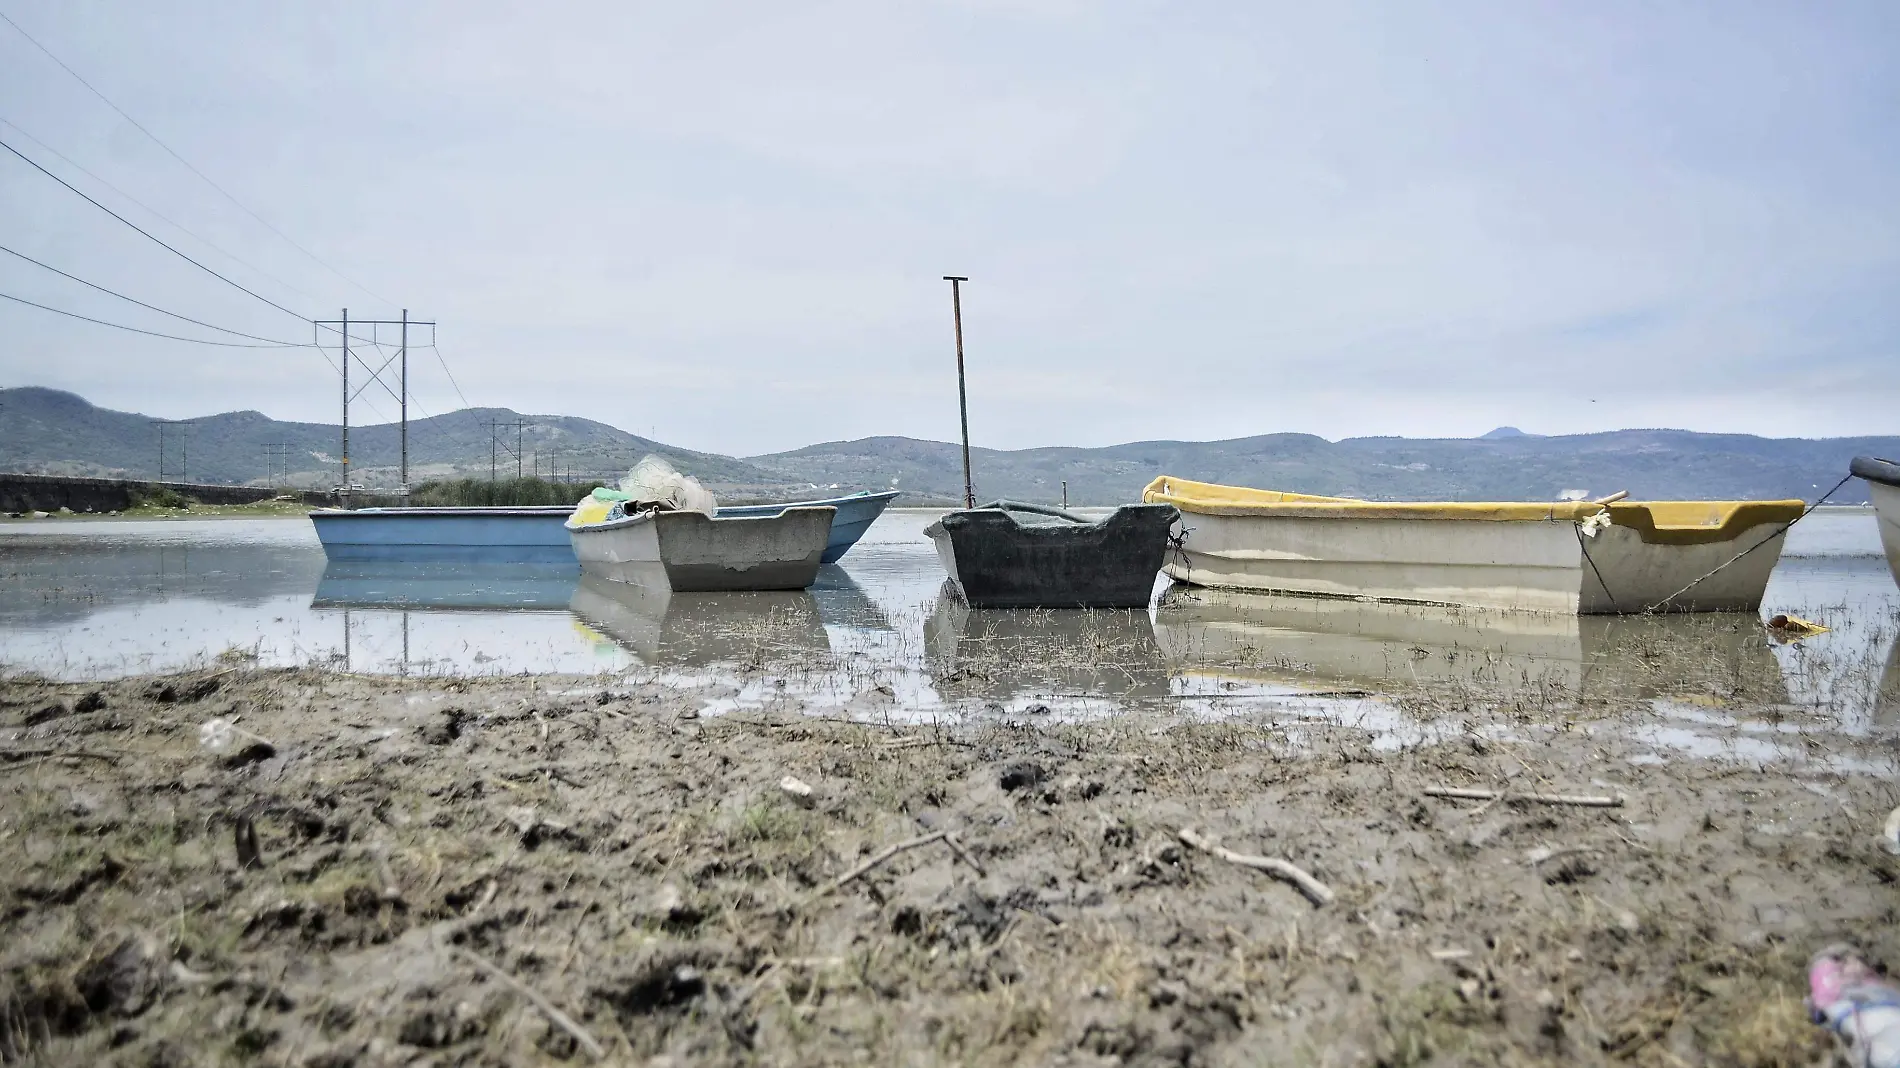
[[386, 871]]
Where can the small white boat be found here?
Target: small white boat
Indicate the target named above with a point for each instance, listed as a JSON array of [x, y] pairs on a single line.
[[1883, 486], [692, 551], [1569, 557]]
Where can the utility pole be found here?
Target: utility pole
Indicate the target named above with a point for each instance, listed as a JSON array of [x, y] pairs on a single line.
[[184, 444], [346, 433], [405, 418], [497, 445], [963, 403]]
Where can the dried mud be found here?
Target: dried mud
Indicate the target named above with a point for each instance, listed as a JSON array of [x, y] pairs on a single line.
[[348, 882]]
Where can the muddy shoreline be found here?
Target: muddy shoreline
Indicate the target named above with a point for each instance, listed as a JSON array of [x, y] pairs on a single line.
[[414, 871]]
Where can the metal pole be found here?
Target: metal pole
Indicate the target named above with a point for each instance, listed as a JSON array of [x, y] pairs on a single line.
[[346, 414], [1065, 493], [518, 426], [491, 450], [405, 402], [963, 403]]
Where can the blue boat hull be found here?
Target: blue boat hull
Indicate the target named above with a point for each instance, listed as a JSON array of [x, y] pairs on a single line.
[[526, 535], [855, 516]]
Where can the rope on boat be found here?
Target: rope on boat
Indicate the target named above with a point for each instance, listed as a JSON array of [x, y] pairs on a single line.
[[1804, 514], [1585, 549]]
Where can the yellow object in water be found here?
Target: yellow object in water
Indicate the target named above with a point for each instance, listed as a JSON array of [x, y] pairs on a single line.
[[590, 510], [1788, 626]]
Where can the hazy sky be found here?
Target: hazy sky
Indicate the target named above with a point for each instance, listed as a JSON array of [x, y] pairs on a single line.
[[725, 224]]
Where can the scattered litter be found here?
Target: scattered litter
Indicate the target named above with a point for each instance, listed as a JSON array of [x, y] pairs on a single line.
[[1892, 831], [1848, 997], [1450, 954]]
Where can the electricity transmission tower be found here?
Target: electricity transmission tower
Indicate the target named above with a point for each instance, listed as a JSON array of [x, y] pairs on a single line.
[[183, 456], [401, 357]]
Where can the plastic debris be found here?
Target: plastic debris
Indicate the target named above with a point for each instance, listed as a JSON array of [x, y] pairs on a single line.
[[1848, 997], [217, 734], [1892, 831], [1595, 524]]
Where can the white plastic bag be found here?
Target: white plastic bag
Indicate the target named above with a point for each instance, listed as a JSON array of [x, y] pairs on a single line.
[[654, 481]]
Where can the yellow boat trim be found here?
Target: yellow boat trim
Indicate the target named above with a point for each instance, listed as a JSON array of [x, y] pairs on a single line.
[[1663, 522]]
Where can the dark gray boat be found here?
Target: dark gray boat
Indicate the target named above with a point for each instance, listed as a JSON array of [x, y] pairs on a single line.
[[1012, 555]]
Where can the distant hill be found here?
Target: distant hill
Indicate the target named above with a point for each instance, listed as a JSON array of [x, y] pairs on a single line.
[[54, 432], [1648, 463], [50, 431]]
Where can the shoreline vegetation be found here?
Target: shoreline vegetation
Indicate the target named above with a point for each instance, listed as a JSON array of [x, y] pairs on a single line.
[[236, 865]]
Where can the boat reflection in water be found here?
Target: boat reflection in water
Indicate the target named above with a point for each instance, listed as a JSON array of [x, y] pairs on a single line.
[[747, 628], [445, 584], [1054, 652], [1226, 635]]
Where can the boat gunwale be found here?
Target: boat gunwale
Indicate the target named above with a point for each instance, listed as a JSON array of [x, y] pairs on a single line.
[[445, 512], [1736, 517], [1876, 469]]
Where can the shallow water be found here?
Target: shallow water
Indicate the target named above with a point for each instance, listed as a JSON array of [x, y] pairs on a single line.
[[101, 599]]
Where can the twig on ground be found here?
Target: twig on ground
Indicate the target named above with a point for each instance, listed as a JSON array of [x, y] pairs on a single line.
[[1583, 800], [891, 851], [1316, 892], [560, 1019], [963, 855], [38, 756]]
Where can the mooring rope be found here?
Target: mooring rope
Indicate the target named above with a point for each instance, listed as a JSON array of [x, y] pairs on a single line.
[[1804, 514], [1585, 549]]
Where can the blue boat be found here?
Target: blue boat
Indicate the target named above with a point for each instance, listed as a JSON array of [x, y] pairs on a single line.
[[485, 535], [855, 515], [530, 534]]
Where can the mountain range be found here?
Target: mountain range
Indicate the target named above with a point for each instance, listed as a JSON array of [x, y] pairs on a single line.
[[49, 431]]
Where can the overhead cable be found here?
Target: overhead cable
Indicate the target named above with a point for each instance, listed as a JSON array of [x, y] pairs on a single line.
[[149, 307], [148, 235], [187, 163], [152, 333], [161, 216]]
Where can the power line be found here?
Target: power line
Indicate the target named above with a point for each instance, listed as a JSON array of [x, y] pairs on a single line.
[[150, 333], [445, 370], [187, 163], [161, 216], [149, 307], [35, 165]]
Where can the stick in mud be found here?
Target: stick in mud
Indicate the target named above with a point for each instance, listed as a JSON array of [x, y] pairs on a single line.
[[1316, 892], [561, 1019], [1583, 800], [891, 851]]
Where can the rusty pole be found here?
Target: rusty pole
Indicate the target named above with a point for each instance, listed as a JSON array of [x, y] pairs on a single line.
[[963, 401]]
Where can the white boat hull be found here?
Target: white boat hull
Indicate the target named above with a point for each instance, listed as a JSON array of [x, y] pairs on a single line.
[[1887, 510], [1528, 565], [694, 552]]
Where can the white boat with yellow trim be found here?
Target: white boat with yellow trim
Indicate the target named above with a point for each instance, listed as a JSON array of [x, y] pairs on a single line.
[[1583, 557]]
